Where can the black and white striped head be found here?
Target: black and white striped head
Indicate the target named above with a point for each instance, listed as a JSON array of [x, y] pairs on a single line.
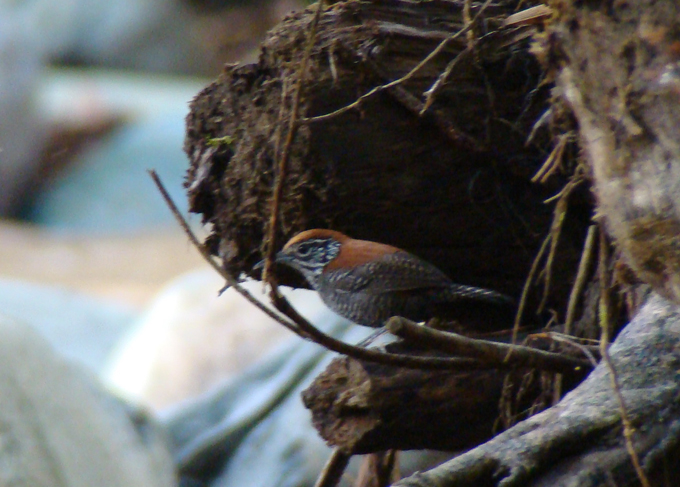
[[310, 252]]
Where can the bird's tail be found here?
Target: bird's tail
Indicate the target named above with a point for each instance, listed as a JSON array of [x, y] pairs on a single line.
[[460, 291]]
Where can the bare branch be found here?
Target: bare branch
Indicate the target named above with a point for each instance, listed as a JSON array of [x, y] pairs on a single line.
[[231, 280], [334, 469], [604, 349], [500, 354], [285, 154]]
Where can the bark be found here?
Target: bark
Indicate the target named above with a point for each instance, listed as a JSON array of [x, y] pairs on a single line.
[[619, 73]]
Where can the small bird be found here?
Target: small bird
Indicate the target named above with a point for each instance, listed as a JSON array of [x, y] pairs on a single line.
[[369, 282]]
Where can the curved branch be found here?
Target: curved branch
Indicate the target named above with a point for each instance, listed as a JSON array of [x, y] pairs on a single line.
[[501, 354]]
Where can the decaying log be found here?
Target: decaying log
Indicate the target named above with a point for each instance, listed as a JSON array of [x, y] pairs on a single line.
[[362, 407], [452, 186]]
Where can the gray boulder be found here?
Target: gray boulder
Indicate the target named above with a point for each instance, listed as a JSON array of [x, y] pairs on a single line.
[[60, 428]]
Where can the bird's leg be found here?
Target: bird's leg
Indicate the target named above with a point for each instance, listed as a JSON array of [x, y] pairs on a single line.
[[372, 337]]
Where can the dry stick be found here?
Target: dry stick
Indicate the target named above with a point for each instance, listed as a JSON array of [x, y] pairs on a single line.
[[393, 359], [604, 348], [391, 465], [580, 281], [378, 469], [555, 232], [334, 469], [531, 15], [552, 163], [415, 106], [527, 285], [285, 155], [434, 90], [485, 350], [267, 276], [209, 259], [306, 330], [576, 290], [516, 326], [588, 351], [468, 20], [442, 45]]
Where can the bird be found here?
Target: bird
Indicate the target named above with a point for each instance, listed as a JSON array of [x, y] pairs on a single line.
[[369, 282]]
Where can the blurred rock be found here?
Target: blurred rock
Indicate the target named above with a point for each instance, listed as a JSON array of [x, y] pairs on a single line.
[[79, 327], [106, 187], [153, 35], [190, 339], [79, 95], [60, 429], [21, 132], [108, 190], [172, 36], [254, 429], [159, 36]]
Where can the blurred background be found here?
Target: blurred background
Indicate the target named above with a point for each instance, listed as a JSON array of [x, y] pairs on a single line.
[[93, 94], [109, 319]]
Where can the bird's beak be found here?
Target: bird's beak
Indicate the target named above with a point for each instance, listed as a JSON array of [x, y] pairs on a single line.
[[280, 257]]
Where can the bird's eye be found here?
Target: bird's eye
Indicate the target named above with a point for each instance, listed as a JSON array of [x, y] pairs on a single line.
[[304, 250]]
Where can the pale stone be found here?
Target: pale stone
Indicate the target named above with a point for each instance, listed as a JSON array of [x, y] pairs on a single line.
[[60, 428]]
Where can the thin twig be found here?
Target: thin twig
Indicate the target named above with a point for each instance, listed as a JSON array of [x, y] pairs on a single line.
[[233, 282], [552, 163], [334, 469], [484, 350], [415, 106], [555, 232], [439, 84], [437, 50], [628, 429], [271, 244], [527, 285], [581, 276], [576, 290], [532, 15], [569, 340], [468, 20], [370, 355], [379, 469], [285, 154]]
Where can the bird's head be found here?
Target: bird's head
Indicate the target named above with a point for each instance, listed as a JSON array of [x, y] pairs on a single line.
[[311, 251]]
